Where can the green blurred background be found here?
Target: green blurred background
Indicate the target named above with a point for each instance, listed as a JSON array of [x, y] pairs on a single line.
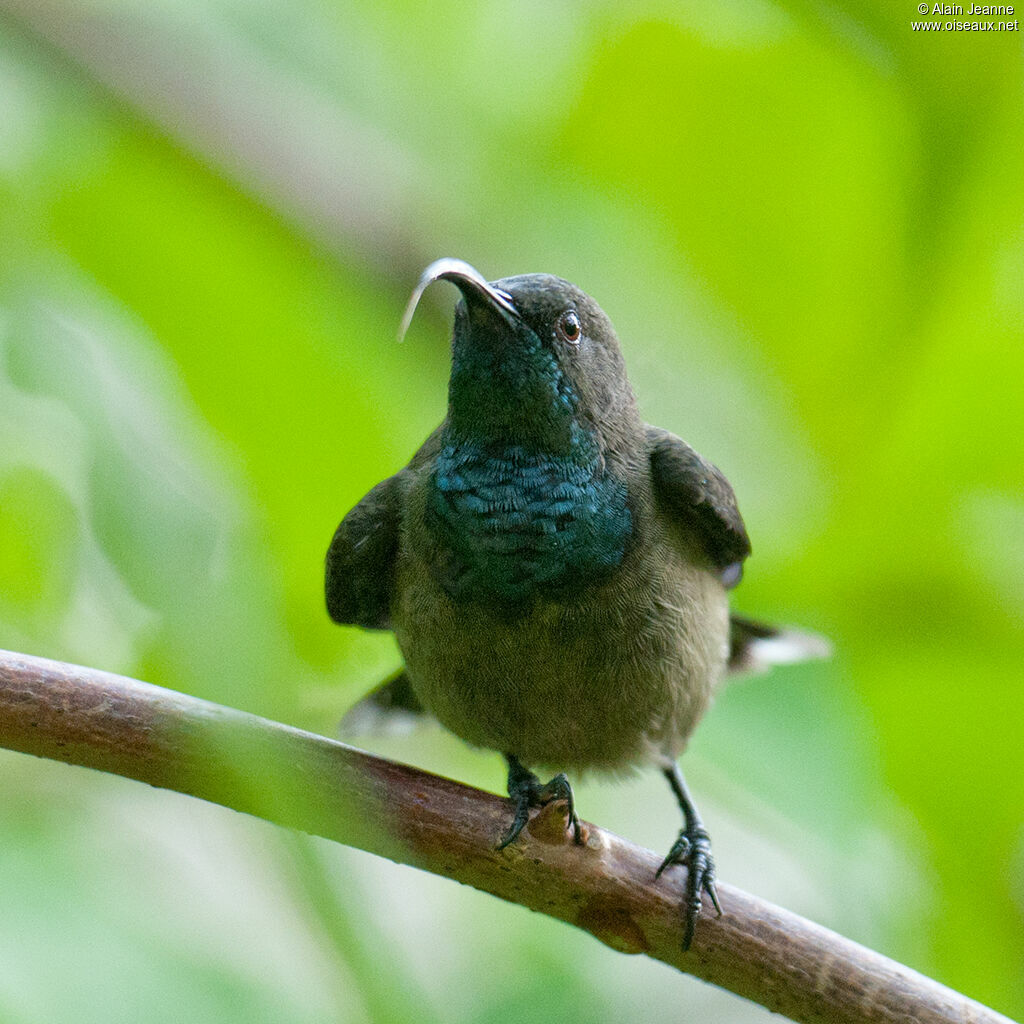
[[807, 222]]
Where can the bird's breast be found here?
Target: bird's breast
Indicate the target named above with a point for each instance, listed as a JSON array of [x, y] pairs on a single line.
[[509, 524]]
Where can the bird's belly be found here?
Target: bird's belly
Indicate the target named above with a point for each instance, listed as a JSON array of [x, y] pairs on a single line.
[[612, 679]]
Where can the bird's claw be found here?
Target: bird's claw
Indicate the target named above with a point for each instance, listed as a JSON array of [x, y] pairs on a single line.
[[692, 849], [528, 792], [522, 816]]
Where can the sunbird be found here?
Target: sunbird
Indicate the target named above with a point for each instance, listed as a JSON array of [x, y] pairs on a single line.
[[555, 570]]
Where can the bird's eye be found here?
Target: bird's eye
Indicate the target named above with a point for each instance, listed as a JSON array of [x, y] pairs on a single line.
[[568, 328]]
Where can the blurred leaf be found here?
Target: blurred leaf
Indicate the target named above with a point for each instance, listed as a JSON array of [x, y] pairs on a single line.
[[808, 224]]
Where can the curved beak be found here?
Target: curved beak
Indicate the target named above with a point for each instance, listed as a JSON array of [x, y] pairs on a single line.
[[469, 281]]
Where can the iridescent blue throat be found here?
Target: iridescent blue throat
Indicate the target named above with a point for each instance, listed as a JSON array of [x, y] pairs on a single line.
[[512, 523]]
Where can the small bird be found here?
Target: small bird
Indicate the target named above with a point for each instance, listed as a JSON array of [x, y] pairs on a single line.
[[555, 570]]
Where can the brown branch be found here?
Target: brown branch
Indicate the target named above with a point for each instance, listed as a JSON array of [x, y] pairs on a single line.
[[790, 965]]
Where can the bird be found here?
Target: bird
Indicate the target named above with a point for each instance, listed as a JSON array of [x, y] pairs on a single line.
[[555, 570]]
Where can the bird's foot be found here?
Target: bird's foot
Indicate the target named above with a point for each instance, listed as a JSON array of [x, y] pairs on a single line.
[[693, 850], [526, 791]]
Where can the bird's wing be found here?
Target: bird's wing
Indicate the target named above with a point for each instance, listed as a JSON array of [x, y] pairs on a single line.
[[360, 567], [700, 497], [391, 708]]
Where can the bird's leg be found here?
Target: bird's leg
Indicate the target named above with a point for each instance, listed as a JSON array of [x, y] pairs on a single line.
[[693, 850], [526, 790]]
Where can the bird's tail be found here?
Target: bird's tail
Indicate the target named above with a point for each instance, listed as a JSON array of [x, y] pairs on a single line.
[[391, 709], [755, 647]]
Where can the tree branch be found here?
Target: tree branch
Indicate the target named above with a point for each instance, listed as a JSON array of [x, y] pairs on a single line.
[[303, 781]]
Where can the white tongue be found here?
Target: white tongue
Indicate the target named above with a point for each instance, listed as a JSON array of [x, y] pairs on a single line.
[[449, 269]]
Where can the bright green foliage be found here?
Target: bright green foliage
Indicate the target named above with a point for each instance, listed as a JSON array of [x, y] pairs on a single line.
[[807, 222]]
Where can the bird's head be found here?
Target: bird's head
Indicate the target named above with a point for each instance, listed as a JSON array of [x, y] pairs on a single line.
[[533, 359]]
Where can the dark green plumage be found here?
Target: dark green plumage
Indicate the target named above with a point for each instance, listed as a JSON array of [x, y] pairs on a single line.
[[513, 524], [555, 570]]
